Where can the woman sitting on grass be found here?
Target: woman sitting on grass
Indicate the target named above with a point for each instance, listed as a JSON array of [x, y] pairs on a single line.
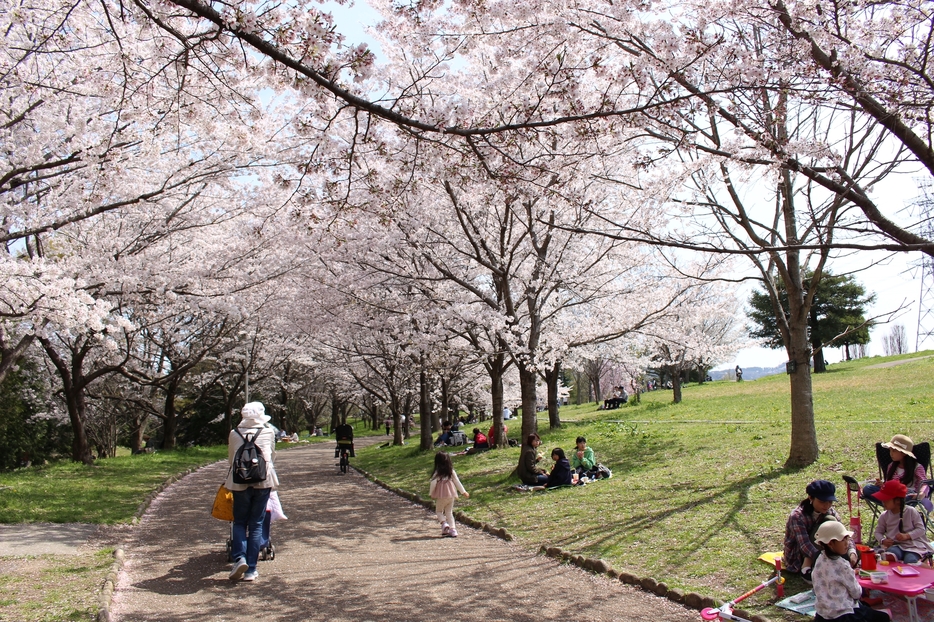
[[800, 550], [528, 470], [582, 460]]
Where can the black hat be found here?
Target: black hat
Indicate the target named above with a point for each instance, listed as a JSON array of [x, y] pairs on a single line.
[[822, 489]]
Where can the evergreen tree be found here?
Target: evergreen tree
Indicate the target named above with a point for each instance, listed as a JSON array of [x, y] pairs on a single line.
[[837, 316]]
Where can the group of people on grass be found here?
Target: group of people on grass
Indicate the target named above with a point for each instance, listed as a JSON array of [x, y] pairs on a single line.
[[444, 485], [581, 466], [820, 548]]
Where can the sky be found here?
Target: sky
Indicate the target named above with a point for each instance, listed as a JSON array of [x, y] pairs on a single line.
[[895, 280]]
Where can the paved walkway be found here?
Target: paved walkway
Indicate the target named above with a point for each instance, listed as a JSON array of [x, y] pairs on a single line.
[[352, 551]]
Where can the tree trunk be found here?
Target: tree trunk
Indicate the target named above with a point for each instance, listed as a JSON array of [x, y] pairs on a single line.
[[444, 414], [170, 420], [551, 382], [335, 412], [80, 450], [495, 366], [11, 356], [137, 432], [73, 385], [804, 450], [527, 381], [676, 383], [424, 407]]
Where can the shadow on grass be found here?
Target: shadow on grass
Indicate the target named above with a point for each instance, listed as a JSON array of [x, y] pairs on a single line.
[[729, 515]]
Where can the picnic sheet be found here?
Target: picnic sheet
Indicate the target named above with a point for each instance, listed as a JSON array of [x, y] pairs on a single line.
[[802, 603]]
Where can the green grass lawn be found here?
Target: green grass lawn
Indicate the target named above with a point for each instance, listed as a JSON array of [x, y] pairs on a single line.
[[699, 489], [108, 492]]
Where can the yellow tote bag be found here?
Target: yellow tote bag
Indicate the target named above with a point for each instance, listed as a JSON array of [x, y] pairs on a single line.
[[223, 504]]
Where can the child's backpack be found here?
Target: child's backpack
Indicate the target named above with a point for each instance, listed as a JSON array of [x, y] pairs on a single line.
[[249, 465]]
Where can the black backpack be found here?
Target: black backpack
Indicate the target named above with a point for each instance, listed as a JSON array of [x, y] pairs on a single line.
[[249, 465]]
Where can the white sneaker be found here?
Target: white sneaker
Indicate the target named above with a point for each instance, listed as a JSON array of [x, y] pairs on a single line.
[[251, 576], [452, 533], [239, 568], [445, 530]]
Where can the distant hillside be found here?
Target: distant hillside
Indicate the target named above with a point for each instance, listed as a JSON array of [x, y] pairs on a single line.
[[749, 373]]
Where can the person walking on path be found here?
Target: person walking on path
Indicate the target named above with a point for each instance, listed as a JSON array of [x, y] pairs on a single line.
[[250, 498], [443, 488]]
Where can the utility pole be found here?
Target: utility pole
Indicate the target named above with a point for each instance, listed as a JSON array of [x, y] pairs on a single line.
[[926, 299]]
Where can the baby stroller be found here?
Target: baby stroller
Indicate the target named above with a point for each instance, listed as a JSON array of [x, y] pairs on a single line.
[[267, 550]]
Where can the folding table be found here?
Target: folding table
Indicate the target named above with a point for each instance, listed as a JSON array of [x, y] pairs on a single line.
[[910, 587]]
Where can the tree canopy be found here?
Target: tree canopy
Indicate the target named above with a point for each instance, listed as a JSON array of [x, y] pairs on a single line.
[[836, 317]]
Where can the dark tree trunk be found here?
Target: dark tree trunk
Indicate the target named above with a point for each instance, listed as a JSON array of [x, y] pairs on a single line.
[[335, 412], [527, 381], [426, 441], [676, 384], [444, 414], [496, 368], [551, 381], [169, 416]]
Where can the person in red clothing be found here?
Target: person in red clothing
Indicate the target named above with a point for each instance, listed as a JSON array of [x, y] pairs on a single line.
[[480, 442]]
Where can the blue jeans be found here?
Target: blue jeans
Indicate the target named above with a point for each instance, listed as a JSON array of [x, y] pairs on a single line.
[[249, 513], [903, 556]]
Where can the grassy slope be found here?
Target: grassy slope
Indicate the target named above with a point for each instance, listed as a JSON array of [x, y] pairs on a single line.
[[699, 488]]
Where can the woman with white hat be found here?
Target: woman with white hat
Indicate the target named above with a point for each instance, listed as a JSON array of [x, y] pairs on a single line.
[[250, 499]]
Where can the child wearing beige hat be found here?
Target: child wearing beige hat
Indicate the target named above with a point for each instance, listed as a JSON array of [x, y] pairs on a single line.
[[836, 590], [904, 468]]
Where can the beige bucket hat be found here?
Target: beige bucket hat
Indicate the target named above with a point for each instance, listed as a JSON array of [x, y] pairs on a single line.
[[901, 443]]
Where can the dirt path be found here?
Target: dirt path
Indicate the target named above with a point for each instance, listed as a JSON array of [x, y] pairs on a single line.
[[352, 551], [896, 363]]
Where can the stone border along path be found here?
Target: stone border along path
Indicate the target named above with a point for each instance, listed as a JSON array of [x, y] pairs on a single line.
[[352, 550]]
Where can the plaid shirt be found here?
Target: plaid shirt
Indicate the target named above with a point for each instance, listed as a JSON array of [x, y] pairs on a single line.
[[798, 543]]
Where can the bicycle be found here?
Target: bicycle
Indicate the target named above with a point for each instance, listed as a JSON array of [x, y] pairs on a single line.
[[344, 449], [345, 459]]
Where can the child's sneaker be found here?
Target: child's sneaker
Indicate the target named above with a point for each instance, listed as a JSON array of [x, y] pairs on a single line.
[[251, 576], [452, 533], [445, 530]]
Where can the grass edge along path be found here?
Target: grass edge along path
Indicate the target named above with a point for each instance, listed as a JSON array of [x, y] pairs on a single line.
[[698, 493]]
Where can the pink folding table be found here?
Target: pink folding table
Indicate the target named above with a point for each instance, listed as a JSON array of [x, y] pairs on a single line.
[[910, 587]]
